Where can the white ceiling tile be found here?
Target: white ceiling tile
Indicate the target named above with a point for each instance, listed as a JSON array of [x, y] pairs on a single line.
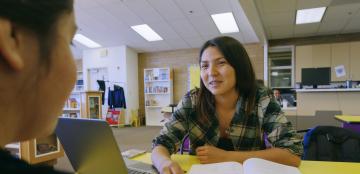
[[304, 4], [278, 31], [164, 30], [339, 13], [284, 18], [194, 42], [192, 7], [161, 46], [184, 28], [108, 22], [276, 6], [212, 36], [134, 37], [306, 29], [216, 6], [123, 13], [343, 2], [168, 9], [236, 36], [337, 17], [102, 16], [177, 43], [84, 4], [204, 25], [340, 17], [331, 27], [144, 10], [353, 26]]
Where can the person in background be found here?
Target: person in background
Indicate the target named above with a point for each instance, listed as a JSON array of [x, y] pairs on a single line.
[[228, 118], [37, 73], [279, 99]]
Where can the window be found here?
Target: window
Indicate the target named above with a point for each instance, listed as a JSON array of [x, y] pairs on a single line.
[[281, 67]]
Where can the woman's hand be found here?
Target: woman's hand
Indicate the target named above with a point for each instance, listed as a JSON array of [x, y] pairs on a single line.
[[170, 167], [211, 154]]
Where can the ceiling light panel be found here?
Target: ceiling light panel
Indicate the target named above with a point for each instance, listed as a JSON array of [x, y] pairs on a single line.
[[146, 32], [86, 41], [225, 22], [311, 15]]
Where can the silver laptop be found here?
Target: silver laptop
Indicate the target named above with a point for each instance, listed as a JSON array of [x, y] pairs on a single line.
[[91, 148]]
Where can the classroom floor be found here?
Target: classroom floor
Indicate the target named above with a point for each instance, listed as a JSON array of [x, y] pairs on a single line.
[[127, 138]]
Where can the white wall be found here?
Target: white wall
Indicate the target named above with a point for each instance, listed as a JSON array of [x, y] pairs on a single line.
[[122, 65], [132, 81]]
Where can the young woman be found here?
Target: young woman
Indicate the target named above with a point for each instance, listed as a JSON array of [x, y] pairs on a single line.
[[37, 72], [230, 117]]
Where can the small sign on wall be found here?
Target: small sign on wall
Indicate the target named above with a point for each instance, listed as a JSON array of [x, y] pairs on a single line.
[[103, 53], [340, 71]]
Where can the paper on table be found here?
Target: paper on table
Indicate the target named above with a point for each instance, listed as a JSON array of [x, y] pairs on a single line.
[[261, 166], [132, 153], [250, 166], [216, 168]]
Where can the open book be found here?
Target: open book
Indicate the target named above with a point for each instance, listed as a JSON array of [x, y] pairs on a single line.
[[250, 166]]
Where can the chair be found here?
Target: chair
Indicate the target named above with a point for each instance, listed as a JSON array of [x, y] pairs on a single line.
[[330, 143], [135, 121]]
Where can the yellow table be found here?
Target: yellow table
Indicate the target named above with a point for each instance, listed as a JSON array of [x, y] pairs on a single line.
[[348, 118], [349, 122], [306, 167]]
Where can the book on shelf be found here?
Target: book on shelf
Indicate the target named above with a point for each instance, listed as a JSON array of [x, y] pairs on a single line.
[[250, 166]]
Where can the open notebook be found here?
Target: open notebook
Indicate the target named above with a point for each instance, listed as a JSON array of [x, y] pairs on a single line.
[[250, 166]]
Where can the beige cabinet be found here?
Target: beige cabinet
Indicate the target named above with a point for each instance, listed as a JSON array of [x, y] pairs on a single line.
[[303, 59], [91, 104], [340, 54], [330, 55], [355, 61], [321, 55]]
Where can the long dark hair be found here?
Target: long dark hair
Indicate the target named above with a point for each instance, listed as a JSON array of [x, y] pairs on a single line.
[[38, 16], [236, 55]]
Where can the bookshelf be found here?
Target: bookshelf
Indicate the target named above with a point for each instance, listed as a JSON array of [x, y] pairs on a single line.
[[158, 93], [72, 106]]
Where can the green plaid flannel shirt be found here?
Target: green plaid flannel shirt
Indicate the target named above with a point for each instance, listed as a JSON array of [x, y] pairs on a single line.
[[267, 121]]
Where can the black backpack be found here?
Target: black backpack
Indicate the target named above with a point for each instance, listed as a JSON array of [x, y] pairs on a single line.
[[329, 143]]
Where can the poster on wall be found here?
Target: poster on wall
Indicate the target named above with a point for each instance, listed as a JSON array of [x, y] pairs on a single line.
[[340, 71], [194, 76]]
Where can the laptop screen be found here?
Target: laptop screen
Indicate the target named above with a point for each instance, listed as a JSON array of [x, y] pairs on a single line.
[[90, 146]]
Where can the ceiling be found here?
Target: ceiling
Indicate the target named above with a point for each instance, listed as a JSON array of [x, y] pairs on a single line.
[[181, 23], [187, 23], [278, 18]]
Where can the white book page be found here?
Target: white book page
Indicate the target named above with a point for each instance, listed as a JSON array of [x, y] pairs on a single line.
[[217, 168], [260, 166]]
